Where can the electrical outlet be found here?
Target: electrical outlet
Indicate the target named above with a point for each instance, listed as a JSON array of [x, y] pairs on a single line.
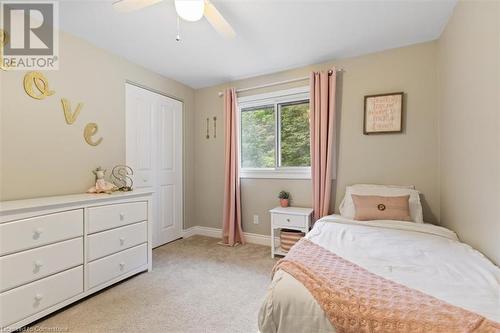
[[256, 219]]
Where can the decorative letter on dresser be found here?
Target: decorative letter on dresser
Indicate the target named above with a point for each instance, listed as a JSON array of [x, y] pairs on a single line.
[[57, 250]]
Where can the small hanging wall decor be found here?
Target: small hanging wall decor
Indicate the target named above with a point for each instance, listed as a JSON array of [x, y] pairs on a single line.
[[89, 131], [36, 79], [4, 39], [68, 115], [36, 86], [215, 127], [383, 113]]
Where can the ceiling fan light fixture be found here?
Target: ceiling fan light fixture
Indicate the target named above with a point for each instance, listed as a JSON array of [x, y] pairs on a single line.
[[190, 10]]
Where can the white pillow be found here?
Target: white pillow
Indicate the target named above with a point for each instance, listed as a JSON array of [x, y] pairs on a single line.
[[347, 205]]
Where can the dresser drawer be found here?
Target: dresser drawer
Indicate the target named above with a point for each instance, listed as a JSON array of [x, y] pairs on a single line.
[[22, 302], [110, 267], [20, 268], [288, 220], [112, 216], [107, 242], [40, 230]]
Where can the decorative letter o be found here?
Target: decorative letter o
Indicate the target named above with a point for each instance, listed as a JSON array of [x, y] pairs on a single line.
[[41, 84]]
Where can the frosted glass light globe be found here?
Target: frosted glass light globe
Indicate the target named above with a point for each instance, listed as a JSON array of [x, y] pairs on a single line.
[[190, 10]]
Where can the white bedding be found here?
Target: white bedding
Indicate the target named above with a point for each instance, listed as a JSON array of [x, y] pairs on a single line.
[[420, 256]]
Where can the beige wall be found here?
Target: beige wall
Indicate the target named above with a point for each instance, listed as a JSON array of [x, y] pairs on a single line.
[[42, 156], [409, 158], [469, 76]]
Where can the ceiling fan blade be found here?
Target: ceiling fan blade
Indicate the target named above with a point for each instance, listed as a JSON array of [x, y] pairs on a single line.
[[132, 5], [217, 21]]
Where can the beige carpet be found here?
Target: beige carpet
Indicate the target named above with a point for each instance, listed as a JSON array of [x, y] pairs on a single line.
[[196, 286]]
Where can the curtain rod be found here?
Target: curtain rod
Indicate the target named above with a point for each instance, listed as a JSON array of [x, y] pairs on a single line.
[[277, 83]]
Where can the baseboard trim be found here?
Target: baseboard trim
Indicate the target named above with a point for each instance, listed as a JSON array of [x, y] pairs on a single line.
[[217, 233]]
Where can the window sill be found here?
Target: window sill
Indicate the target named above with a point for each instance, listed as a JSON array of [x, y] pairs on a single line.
[[275, 174]]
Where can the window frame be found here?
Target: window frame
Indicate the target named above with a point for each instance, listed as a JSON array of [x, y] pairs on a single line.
[[294, 95]]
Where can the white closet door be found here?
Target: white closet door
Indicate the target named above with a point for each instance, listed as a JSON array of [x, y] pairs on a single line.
[[139, 135], [169, 170], [154, 151]]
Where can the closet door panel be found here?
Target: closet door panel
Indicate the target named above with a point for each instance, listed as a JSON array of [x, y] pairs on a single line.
[[169, 117], [140, 109], [154, 151]]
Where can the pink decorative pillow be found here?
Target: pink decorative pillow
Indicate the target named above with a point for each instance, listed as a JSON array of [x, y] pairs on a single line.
[[373, 207]]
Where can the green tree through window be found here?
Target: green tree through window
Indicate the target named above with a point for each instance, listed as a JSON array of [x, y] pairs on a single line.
[[295, 138], [259, 144], [258, 137]]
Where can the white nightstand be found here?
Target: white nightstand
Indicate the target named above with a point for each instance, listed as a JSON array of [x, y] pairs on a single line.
[[294, 218]]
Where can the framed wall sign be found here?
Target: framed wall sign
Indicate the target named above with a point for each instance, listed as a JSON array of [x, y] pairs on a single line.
[[383, 113]]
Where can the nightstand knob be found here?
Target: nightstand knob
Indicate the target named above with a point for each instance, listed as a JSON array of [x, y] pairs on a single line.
[[288, 220], [122, 216]]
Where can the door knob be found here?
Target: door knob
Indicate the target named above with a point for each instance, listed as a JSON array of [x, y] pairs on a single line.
[[37, 232]]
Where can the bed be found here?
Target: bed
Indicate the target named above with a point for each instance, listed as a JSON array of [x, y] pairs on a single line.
[[423, 257]]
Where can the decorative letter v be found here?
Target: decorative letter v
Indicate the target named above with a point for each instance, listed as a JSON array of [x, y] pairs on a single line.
[[70, 117]]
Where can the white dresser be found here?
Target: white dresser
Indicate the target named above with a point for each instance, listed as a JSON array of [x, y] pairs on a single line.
[[57, 250]]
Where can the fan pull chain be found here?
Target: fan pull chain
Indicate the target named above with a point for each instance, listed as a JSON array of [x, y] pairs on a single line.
[[178, 37]]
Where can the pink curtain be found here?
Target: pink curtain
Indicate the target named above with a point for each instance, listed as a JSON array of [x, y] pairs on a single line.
[[323, 132], [232, 233]]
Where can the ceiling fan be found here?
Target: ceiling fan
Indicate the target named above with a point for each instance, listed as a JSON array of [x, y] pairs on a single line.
[[189, 10]]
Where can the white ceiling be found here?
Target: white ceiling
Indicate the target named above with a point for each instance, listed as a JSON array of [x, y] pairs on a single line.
[[273, 35]]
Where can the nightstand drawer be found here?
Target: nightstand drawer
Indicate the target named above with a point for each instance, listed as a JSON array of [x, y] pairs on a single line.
[[288, 220]]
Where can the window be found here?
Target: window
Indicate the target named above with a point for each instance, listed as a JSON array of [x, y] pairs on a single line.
[[274, 135]]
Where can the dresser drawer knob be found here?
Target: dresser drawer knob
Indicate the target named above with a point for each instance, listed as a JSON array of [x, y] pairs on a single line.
[[38, 297], [122, 266], [37, 232], [38, 264], [122, 240], [122, 216], [288, 220]]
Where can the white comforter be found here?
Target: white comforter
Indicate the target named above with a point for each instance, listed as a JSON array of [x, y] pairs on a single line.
[[420, 256]]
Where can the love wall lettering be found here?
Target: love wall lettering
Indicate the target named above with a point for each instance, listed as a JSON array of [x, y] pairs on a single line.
[[36, 86], [4, 39]]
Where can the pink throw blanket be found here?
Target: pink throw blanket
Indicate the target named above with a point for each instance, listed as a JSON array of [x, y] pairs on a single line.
[[355, 300]]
